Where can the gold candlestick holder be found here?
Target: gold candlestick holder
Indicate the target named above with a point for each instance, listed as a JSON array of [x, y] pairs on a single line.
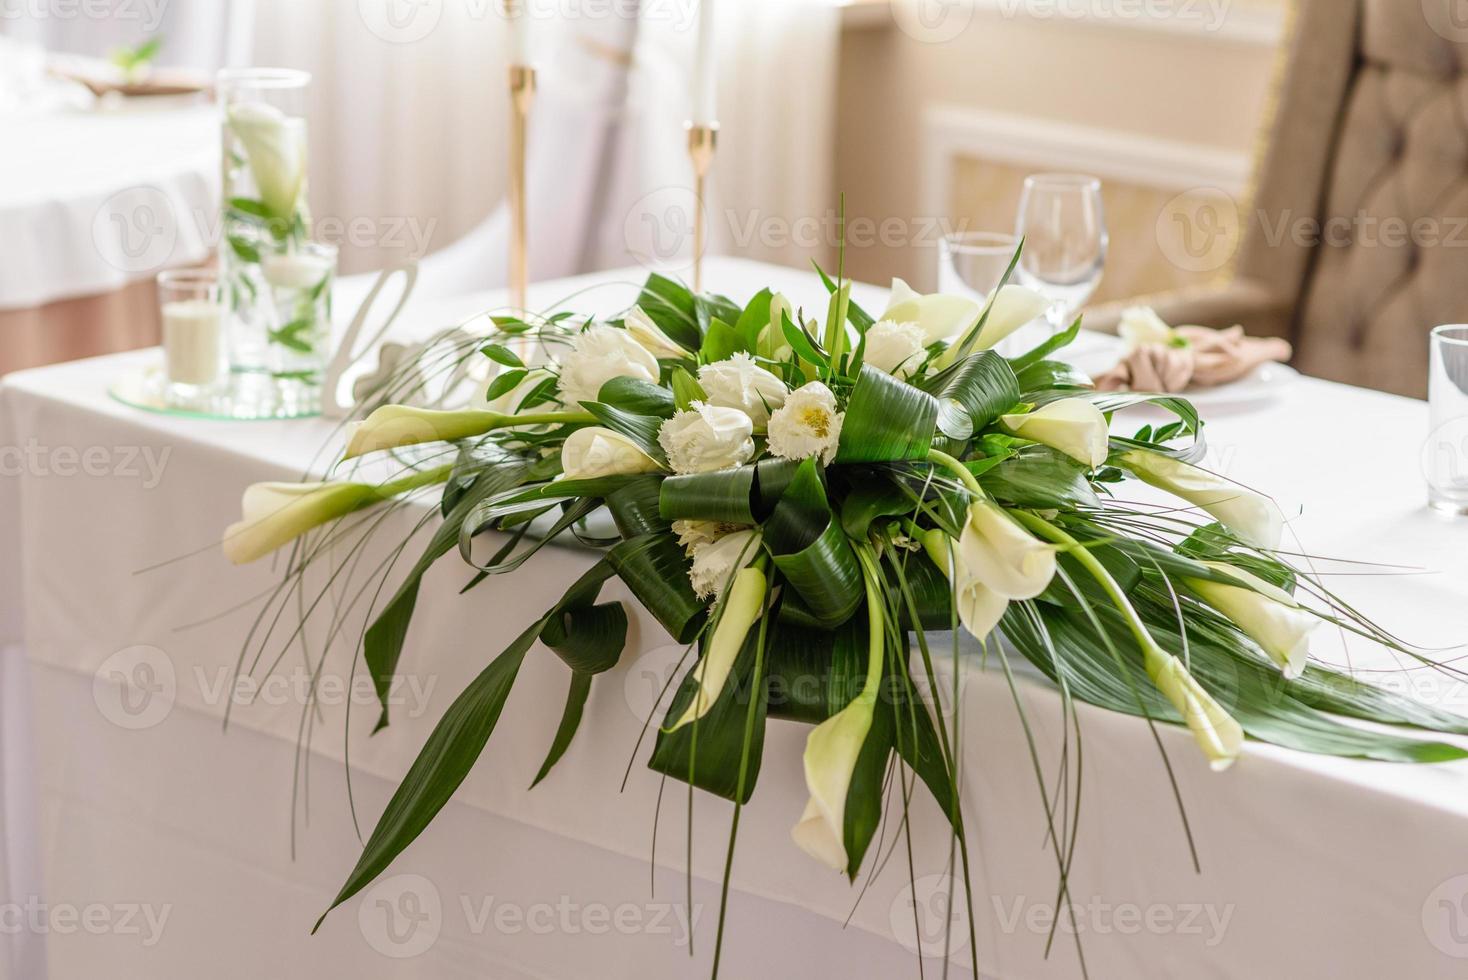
[[522, 95], [703, 140]]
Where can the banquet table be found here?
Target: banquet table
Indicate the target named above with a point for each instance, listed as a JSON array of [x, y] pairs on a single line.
[[94, 201], [171, 845]]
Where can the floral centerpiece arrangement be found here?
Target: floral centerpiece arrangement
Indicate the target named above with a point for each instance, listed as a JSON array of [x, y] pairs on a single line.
[[800, 500]]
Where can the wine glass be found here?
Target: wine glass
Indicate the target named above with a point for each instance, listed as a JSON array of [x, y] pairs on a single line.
[[1064, 228], [971, 263]]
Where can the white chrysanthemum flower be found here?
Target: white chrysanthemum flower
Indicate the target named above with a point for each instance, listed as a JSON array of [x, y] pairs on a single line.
[[707, 437], [807, 424], [895, 348], [714, 564], [599, 354], [739, 382]]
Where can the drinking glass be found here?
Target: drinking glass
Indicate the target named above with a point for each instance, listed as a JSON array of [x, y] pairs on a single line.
[[1445, 457], [193, 335], [1064, 228], [972, 263]]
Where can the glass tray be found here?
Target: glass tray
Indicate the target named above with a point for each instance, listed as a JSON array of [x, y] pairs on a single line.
[[236, 397]]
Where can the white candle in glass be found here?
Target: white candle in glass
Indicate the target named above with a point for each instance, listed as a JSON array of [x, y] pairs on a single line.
[[705, 69], [517, 21], [192, 351]]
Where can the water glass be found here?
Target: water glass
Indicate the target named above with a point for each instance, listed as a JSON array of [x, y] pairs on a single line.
[[193, 334], [972, 263], [1445, 456], [1064, 229]]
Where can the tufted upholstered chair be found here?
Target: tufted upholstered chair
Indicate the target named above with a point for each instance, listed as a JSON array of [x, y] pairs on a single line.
[[1356, 241]]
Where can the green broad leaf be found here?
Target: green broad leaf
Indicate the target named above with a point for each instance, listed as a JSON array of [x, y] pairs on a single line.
[[446, 758], [804, 346], [635, 396], [705, 753], [587, 636], [873, 494], [771, 477], [1047, 347], [708, 307], [812, 552], [720, 495], [543, 392], [641, 429], [931, 594], [863, 813], [720, 341], [655, 569], [955, 423], [686, 390], [982, 383], [670, 305], [1038, 476], [755, 318], [576, 696], [250, 207], [1043, 375], [887, 420], [504, 383], [501, 354], [382, 644], [245, 249], [634, 507], [855, 315], [798, 667]]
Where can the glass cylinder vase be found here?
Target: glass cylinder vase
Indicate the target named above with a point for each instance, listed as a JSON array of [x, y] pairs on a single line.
[[276, 283]]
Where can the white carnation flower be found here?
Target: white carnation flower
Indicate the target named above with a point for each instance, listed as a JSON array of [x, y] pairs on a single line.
[[741, 383], [599, 354], [707, 437], [693, 533], [895, 348], [807, 424], [715, 563]]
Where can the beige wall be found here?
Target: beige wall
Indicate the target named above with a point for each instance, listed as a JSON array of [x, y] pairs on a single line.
[[1203, 91]]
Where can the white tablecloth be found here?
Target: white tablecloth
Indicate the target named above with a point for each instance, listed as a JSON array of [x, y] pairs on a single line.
[[1310, 867], [91, 200]]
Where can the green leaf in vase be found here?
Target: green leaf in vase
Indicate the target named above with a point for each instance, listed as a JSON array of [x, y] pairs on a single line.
[[245, 249]]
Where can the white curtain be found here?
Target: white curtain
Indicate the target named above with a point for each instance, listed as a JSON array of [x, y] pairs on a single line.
[[409, 117]]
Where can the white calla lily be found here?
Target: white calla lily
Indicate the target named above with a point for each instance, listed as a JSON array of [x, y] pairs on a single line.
[[275, 147], [979, 607], [1269, 615], [1002, 555], [651, 336], [1009, 309], [1255, 518], [742, 608], [1140, 326], [1214, 729], [595, 452], [1072, 426], [396, 426], [834, 746], [939, 316], [275, 514]]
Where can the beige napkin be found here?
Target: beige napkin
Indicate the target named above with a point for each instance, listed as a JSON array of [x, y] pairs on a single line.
[[1211, 357]]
